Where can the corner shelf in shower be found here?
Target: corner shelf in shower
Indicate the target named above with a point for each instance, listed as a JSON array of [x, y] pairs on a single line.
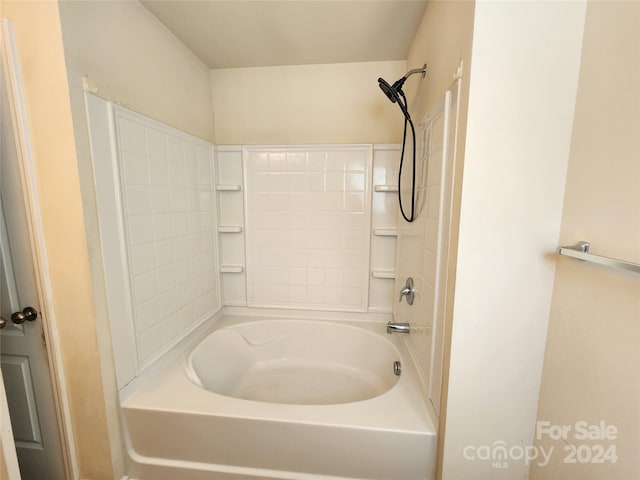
[[232, 269], [384, 274], [229, 229], [385, 232], [228, 188], [385, 188]]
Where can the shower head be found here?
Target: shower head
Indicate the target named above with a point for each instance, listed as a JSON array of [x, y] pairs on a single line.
[[394, 91], [388, 90], [396, 95]]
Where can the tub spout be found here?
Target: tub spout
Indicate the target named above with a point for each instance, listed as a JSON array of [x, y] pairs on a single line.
[[398, 327]]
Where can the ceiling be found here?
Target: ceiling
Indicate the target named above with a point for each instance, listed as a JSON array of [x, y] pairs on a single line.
[[242, 33]]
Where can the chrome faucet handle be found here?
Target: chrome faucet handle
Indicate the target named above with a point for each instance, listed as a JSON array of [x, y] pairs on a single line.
[[403, 292], [408, 291]]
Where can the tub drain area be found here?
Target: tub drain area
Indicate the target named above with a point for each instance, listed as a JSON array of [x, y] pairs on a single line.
[[295, 381]]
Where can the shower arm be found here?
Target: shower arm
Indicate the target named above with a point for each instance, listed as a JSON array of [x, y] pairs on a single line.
[[422, 70], [397, 86]]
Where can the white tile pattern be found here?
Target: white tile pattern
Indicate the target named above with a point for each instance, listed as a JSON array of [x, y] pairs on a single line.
[[308, 221], [168, 208], [420, 254]]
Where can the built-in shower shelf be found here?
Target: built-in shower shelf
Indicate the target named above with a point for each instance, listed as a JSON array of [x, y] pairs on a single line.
[[385, 232], [229, 229], [232, 269], [228, 188], [385, 274], [385, 188]]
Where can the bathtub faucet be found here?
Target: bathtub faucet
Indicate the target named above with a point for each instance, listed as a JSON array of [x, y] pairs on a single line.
[[393, 327]]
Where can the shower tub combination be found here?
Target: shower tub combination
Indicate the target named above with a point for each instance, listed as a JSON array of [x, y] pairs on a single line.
[[260, 398]]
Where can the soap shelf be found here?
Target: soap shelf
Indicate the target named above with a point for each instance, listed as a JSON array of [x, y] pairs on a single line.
[[385, 188], [385, 232], [386, 274], [229, 229], [228, 188], [232, 269]]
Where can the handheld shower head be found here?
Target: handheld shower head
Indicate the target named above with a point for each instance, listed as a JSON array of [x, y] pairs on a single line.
[[394, 91], [388, 90], [396, 95]]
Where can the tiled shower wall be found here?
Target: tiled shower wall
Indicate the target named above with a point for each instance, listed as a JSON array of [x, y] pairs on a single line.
[[154, 192], [167, 202], [308, 222], [188, 227], [318, 223], [423, 247]]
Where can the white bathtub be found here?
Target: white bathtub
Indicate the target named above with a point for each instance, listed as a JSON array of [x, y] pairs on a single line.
[[283, 399], [294, 362]]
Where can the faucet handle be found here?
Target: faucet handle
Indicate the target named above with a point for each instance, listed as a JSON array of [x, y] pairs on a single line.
[[408, 291], [403, 292]]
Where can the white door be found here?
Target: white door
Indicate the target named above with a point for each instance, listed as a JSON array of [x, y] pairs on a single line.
[[9, 469], [23, 355]]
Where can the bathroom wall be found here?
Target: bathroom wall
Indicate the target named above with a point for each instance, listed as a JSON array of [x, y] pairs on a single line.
[[521, 103], [308, 224], [127, 55], [306, 104], [318, 223], [154, 191], [443, 42], [592, 362], [41, 56]]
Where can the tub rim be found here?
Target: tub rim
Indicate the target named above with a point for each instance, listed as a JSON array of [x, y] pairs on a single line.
[[167, 388]]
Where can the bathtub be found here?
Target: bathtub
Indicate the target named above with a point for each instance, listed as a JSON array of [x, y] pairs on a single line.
[[259, 399]]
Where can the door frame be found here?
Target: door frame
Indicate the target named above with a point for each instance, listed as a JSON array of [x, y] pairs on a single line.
[[26, 166]]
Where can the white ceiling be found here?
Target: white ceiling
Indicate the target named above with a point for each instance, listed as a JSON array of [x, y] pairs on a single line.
[[242, 33]]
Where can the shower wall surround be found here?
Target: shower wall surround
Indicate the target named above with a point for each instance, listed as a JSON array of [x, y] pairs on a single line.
[[308, 227], [154, 191], [423, 246], [167, 205], [318, 224], [188, 228]]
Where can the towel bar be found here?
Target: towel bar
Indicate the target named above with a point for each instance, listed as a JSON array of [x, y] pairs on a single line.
[[581, 251]]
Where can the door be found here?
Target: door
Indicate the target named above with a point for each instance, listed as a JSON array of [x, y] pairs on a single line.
[[23, 355], [9, 469]]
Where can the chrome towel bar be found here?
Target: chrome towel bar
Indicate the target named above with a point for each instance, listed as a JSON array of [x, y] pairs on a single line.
[[581, 251]]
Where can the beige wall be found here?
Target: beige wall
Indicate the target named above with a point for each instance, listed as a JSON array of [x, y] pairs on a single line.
[[301, 104], [592, 362], [521, 104], [135, 61], [131, 59], [443, 42], [40, 52]]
